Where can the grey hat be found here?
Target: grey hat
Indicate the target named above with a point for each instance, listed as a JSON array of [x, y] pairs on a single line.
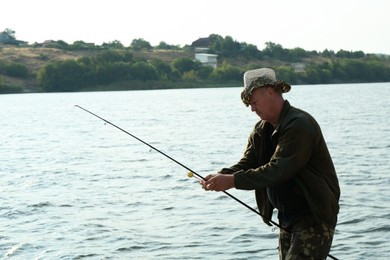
[[258, 78]]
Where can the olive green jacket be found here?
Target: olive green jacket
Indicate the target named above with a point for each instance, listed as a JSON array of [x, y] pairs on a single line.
[[301, 153]]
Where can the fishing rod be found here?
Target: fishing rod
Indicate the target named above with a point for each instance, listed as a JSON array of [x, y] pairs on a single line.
[[191, 173]]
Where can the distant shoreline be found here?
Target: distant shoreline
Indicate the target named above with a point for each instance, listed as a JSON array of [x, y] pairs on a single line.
[[20, 68]]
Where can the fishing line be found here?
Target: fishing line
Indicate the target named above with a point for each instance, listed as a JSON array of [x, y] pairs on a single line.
[[190, 172]]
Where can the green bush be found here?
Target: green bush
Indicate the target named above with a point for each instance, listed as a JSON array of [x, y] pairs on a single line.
[[63, 76], [14, 69], [6, 89]]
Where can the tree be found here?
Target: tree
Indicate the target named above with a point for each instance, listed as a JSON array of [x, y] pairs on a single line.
[[287, 74], [328, 53], [190, 76], [250, 51], [66, 75], [276, 51], [63, 44], [311, 75], [140, 44], [226, 72], [297, 54], [185, 64], [113, 45], [338, 72], [230, 47], [143, 71], [109, 56], [10, 32], [14, 69], [162, 68], [204, 72], [112, 72], [80, 45], [216, 43], [164, 46]]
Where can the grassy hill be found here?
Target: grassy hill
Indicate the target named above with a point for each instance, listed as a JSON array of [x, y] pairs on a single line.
[[35, 58], [32, 59]]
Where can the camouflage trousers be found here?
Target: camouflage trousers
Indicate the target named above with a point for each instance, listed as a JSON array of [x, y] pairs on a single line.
[[309, 239]]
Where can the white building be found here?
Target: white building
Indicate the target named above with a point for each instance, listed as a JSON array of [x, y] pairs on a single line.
[[207, 59]]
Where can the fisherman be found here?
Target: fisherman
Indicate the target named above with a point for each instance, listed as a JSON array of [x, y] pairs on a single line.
[[287, 163]]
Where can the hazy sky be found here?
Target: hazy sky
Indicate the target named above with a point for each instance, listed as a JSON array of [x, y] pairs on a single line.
[[353, 25]]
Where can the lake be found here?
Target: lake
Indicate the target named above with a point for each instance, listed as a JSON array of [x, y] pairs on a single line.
[[75, 187]]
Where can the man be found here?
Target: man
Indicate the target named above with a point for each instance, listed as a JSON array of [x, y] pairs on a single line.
[[288, 164]]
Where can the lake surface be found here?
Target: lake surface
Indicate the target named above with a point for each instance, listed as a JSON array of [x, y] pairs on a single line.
[[73, 187]]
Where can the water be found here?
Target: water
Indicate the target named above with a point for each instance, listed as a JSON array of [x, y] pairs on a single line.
[[73, 187]]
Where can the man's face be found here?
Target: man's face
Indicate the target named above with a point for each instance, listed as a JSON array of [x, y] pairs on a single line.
[[260, 102]]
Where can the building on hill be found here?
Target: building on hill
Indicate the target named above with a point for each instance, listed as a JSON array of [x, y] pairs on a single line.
[[201, 47], [207, 59], [5, 39], [201, 44], [298, 67]]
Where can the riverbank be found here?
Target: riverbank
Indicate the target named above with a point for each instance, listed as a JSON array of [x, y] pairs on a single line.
[[20, 68]]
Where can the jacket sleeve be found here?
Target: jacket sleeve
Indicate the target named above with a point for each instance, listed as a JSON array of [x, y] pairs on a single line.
[[293, 150]]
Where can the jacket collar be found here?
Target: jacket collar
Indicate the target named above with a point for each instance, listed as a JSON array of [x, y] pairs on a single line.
[[283, 114]]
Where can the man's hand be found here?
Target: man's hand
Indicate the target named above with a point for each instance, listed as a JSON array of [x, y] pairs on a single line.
[[218, 182]]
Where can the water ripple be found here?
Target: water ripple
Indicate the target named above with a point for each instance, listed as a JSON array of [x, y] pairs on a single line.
[[73, 188]]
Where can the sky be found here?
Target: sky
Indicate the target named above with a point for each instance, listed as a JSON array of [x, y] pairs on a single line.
[[351, 25]]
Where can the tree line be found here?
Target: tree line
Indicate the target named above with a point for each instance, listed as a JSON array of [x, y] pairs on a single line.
[[115, 66]]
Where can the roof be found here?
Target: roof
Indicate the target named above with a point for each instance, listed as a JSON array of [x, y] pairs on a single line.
[[202, 43], [5, 38]]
